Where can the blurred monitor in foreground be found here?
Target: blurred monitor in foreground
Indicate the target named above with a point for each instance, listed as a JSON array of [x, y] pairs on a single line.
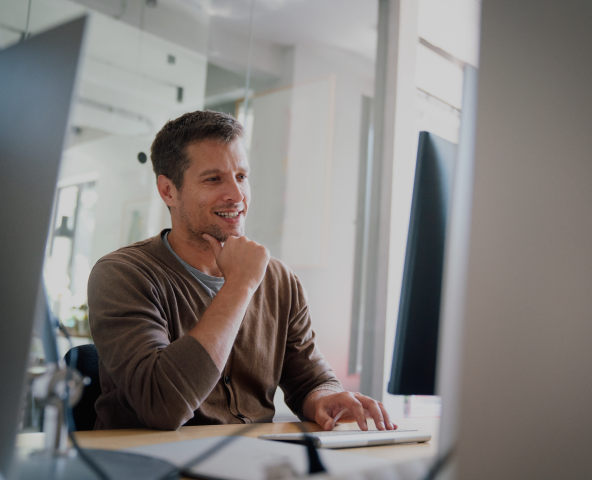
[[37, 80]]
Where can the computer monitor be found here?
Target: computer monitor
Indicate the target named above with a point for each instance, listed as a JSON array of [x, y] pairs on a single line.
[[416, 342], [37, 84], [37, 81]]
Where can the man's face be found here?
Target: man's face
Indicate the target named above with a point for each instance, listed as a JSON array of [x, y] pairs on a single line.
[[215, 194]]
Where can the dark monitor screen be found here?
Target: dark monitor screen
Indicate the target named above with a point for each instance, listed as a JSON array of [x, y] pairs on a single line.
[[416, 342]]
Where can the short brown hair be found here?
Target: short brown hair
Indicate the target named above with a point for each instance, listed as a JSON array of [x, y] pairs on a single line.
[[169, 149]]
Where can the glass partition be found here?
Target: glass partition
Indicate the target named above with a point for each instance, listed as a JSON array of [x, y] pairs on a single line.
[[294, 72]]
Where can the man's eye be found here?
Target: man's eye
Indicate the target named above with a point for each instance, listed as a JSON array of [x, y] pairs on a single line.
[[242, 177], [212, 179]]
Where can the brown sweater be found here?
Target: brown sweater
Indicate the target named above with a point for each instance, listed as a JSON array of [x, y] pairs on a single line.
[[142, 301]]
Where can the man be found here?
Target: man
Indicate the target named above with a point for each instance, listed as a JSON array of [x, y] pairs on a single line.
[[198, 325]]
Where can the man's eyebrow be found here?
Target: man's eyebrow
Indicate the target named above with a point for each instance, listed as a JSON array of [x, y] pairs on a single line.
[[217, 171], [214, 171]]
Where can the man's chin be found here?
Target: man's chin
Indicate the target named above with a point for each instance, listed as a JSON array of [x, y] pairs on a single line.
[[222, 235]]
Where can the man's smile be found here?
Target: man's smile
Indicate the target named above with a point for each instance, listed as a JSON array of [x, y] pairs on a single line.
[[233, 218], [228, 214]]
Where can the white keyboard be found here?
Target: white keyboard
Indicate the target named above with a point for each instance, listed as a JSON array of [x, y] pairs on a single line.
[[354, 438]]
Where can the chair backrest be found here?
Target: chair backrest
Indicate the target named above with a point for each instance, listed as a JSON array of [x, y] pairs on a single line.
[[88, 365]]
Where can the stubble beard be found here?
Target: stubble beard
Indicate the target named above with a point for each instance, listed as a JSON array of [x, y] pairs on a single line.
[[196, 232]]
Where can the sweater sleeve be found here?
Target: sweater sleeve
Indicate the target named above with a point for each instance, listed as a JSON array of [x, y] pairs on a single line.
[[305, 369], [160, 380]]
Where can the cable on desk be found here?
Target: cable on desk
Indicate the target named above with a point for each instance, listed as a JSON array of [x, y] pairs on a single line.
[[315, 465], [69, 415], [314, 462], [68, 409]]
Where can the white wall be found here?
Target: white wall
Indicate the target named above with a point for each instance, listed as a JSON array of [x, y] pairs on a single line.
[[120, 179], [330, 286], [453, 26], [304, 154]]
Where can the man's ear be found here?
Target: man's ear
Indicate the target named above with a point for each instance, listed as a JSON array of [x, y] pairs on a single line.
[[167, 190]]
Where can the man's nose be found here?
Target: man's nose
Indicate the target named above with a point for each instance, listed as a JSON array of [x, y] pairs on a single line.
[[233, 193]]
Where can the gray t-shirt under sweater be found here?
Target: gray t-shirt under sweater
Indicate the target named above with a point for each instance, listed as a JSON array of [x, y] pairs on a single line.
[[211, 285]]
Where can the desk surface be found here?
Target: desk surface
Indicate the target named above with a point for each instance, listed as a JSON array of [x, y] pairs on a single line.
[[117, 439]]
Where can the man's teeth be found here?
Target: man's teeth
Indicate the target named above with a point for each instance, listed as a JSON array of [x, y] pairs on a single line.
[[228, 214]]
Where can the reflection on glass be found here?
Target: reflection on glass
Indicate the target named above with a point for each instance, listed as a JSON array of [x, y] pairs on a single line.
[[309, 66]]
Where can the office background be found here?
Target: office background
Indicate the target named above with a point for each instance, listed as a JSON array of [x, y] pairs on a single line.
[[305, 73], [526, 392]]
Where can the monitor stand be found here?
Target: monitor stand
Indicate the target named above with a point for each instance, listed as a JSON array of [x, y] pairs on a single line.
[[58, 387]]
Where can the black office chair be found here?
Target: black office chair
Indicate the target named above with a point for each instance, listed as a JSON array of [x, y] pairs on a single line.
[[88, 365]]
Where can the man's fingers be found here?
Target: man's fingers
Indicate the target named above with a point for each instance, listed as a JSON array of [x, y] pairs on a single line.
[[358, 412], [215, 245], [387, 419], [377, 412], [374, 411], [355, 406]]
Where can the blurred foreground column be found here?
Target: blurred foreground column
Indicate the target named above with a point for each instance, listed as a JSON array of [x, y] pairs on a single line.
[[527, 394]]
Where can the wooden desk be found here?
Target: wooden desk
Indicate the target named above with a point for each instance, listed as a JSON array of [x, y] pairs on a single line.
[[118, 439]]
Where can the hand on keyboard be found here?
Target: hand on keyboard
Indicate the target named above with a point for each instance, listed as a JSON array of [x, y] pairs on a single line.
[[326, 408]]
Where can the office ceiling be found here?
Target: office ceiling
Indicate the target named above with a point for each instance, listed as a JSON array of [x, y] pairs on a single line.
[[350, 25], [138, 74], [347, 24]]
